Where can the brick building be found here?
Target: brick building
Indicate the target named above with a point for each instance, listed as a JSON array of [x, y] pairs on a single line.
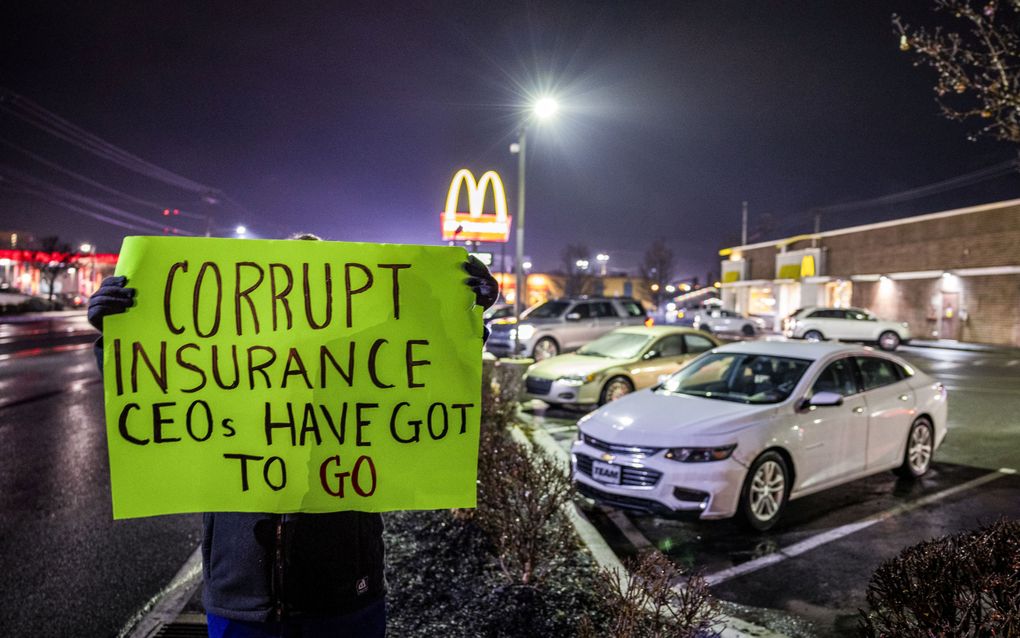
[[950, 275]]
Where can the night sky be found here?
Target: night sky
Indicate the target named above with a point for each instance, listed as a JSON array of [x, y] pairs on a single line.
[[349, 119]]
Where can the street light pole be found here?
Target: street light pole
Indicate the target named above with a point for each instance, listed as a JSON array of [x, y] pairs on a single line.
[[521, 281]]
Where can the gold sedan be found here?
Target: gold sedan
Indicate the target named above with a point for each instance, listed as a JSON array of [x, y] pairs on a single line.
[[615, 364]]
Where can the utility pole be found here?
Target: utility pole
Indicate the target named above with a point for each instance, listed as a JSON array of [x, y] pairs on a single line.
[[743, 225]]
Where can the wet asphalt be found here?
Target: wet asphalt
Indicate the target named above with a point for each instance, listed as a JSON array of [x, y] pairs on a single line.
[[820, 591], [70, 570]]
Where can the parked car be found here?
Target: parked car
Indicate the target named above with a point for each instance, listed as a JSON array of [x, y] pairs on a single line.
[[498, 311], [719, 320], [749, 426], [562, 325], [845, 324], [615, 364]]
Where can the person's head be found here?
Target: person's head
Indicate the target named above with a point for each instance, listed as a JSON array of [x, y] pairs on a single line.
[[308, 236]]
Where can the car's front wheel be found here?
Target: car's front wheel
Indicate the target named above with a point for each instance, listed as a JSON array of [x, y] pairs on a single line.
[[920, 448], [545, 348], [888, 340], [766, 487], [813, 335], [748, 330], [614, 389]]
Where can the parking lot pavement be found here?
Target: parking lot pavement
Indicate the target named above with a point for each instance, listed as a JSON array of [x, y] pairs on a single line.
[[816, 564]]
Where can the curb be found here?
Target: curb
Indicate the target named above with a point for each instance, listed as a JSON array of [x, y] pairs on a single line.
[[604, 555], [961, 346]]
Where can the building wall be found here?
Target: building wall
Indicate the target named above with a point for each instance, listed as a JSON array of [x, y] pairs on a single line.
[[983, 309], [980, 239]]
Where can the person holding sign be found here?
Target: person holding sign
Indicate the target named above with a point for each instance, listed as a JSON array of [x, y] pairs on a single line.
[[293, 574]]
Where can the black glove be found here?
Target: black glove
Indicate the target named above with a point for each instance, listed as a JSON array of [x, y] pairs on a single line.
[[112, 298], [481, 282]]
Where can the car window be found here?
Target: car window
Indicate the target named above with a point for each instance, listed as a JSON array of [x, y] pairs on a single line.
[[633, 308], [582, 309], [857, 315], [837, 377], [745, 378], [671, 346], [548, 310], [877, 372], [697, 343], [603, 309], [820, 314], [616, 345]]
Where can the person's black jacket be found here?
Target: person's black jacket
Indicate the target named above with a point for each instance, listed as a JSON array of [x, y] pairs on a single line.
[[261, 567]]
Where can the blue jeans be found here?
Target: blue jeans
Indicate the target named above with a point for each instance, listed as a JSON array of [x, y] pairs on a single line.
[[369, 622]]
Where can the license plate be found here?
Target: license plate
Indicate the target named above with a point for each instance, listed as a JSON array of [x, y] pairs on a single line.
[[605, 472]]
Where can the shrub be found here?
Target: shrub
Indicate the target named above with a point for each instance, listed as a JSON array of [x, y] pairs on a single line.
[[502, 385], [521, 493], [647, 603], [961, 585]]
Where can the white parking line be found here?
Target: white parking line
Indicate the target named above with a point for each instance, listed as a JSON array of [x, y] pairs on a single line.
[[1012, 362], [627, 528], [557, 429], [837, 533]]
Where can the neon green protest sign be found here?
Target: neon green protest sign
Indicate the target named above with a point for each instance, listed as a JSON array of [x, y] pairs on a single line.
[[292, 376]]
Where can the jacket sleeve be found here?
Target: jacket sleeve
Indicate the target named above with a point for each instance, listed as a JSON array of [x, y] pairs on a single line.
[[97, 350]]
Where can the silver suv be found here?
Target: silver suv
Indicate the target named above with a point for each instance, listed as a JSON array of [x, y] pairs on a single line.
[[561, 325]]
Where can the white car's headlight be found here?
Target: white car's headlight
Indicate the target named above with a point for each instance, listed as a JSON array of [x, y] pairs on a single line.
[[524, 332], [700, 454], [576, 379]]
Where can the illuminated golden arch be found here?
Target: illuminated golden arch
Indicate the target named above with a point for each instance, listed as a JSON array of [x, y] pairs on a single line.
[[475, 226], [476, 193]]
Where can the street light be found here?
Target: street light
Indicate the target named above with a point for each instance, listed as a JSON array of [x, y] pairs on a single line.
[[603, 259], [543, 109], [240, 231], [582, 264]]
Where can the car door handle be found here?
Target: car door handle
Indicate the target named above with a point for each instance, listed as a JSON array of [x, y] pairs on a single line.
[[904, 397], [859, 409]]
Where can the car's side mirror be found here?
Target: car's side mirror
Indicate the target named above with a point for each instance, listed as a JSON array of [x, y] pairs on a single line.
[[573, 316], [824, 400]]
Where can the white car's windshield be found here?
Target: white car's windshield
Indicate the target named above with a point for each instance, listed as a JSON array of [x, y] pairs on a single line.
[[618, 345], [732, 376]]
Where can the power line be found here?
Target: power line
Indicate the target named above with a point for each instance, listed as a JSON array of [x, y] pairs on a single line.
[[53, 124], [33, 185], [968, 179], [92, 182]]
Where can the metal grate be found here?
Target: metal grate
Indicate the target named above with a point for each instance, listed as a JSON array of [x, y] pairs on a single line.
[[538, 386], [617, 448], [629, 476]]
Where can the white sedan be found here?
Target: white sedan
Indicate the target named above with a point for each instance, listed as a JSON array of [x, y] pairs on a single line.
[[749, 426]]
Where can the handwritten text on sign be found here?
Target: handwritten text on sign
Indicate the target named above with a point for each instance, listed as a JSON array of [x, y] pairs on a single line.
[[285, 376]]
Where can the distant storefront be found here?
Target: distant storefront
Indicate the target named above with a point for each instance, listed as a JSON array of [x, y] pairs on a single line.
[[22, 271], [542, 287], [950, 275]]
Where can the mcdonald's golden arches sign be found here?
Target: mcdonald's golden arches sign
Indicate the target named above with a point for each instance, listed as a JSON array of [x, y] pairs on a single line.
[[475, 225]]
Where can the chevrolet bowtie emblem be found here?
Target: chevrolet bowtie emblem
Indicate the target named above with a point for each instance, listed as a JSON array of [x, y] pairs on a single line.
[[607, 457]]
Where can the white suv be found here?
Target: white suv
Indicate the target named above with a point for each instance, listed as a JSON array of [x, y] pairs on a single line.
[[845, 324]]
